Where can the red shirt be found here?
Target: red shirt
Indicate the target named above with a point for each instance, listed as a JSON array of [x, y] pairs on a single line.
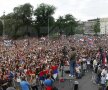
[[49, 88], [41, 73], [29, 72], [46, 72], [54, 67]]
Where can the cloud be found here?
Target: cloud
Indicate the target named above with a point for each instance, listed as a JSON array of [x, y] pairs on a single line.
[[94, 9], [80, 9]]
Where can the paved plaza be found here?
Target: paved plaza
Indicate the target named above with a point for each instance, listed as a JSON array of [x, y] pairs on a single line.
[[85, 83]]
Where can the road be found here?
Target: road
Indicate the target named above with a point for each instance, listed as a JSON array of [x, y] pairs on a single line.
[[85, 83]]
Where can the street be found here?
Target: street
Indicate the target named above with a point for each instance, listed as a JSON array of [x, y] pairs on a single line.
[[85, 83]]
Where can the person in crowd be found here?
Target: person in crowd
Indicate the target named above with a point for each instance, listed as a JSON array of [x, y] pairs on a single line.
[[3, 82], [107, 81], [64, 51], [10, 87], [84, 67], [94, 64], [40, 56], [72, 64], [48, 83], [54, 71], [104, 71], [88, 63], [103, 81], [78, 71], [24, 84], [34, 82], [18, 79], [98, 74]]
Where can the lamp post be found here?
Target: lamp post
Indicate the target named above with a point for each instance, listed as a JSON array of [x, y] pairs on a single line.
[[105, 29], [48, 27], [48, 23]]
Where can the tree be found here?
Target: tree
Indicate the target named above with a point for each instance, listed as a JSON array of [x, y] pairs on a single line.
[[20, 17], [71, 22], [43, 16], [24, 13], [1, 28], [97, 26], [67, 24], [11, 24], [60, 23], [19, 22]]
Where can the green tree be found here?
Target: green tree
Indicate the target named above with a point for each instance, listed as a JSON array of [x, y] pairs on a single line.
[[60, 23], [24, 13], [67, 24], [71, 23], [43, 16], [11, 24], [97, 26], [1, 28], [20, 17]]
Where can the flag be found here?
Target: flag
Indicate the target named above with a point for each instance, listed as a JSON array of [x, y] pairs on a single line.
[[104, 61]]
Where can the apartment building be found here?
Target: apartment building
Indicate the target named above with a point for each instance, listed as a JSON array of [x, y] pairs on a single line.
[[88, 26], [103, 25]]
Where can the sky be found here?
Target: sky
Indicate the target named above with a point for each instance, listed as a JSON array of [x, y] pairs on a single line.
[[80, 9]]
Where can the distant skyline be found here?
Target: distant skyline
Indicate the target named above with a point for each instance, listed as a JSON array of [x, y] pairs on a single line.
[[80, 9]]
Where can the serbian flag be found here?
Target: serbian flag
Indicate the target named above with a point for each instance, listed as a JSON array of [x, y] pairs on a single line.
[[54, 69], [46, 72], [104, 61], [41, 75]]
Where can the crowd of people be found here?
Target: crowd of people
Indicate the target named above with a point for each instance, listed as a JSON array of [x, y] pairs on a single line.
[[28, 63]]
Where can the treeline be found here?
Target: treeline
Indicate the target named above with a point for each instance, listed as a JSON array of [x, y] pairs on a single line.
[[27, 21]]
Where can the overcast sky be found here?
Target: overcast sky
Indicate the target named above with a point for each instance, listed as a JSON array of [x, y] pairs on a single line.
[[80, 9]]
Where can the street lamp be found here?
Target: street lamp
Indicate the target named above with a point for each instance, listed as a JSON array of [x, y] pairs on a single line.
[[48, 27], [105, 29], [48, 23]]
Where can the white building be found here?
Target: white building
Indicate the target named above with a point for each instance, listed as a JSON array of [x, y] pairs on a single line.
[[103, 25], [89, 26]]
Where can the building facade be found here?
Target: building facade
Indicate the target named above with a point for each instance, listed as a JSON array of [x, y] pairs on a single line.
[[88, 26], [103, 25]]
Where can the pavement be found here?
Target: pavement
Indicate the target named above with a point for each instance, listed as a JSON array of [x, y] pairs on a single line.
[[85, 83]]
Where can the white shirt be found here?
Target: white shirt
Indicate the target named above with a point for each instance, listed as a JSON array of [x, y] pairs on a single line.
[[18, 79], [94, 62], [88, 62], [104, 72]]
